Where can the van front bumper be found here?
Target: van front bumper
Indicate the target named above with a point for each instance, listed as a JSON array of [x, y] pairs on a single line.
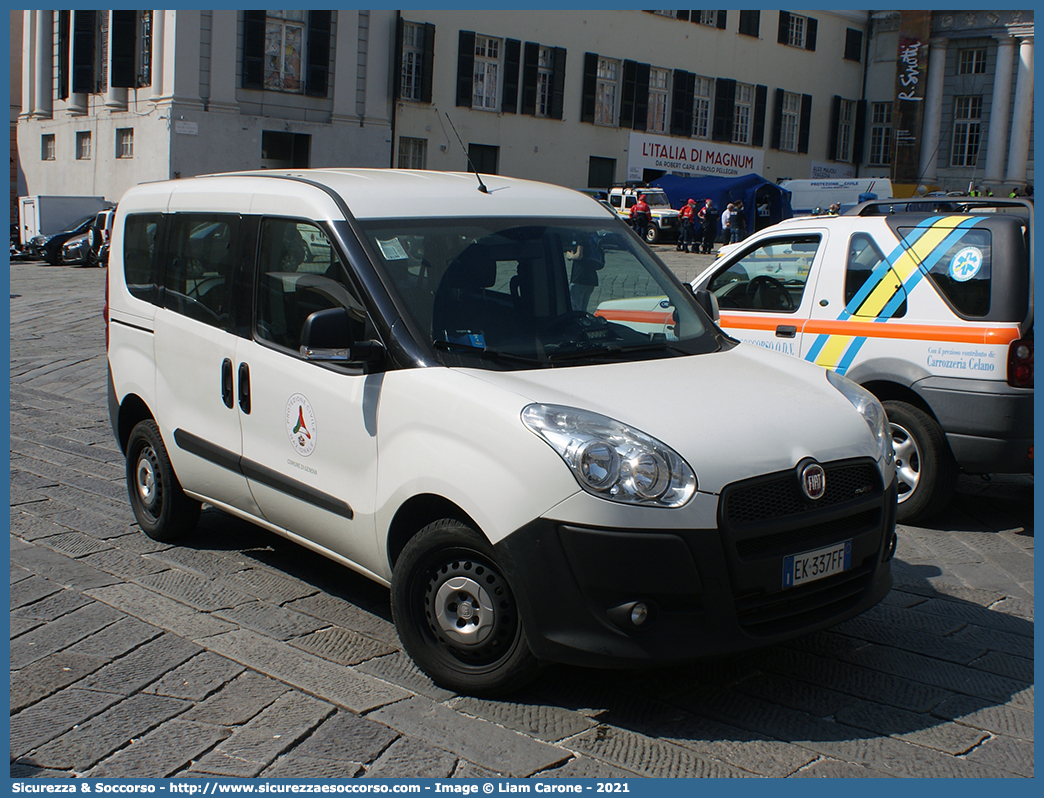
[[708, 592]]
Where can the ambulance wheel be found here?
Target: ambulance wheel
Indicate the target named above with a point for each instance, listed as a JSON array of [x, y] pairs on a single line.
[[161, 508], [456, 615], [652, 234], [925, 469]]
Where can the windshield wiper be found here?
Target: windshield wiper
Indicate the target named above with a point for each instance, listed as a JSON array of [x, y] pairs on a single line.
[[619, 349], [486, 352]]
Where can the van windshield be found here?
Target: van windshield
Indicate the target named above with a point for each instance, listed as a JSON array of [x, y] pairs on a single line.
[[518, 293]]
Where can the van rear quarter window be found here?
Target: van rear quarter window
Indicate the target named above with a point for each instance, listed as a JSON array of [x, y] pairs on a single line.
[[200, 264], [140, 264], [961, 267]]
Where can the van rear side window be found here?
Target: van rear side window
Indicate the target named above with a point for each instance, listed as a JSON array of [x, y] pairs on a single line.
[[140, 262], [198, 279], [961, 268]]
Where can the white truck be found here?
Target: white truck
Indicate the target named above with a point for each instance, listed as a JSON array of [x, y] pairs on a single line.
[[807, 195], [48, 214]]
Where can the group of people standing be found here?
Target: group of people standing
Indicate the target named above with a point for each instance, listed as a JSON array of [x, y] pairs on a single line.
[[699, 226]]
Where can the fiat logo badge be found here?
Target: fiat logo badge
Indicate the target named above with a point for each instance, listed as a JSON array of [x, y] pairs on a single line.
[[813, 481]]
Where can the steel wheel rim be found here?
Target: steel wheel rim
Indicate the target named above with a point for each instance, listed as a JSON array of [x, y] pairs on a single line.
[[907, 461], [147, 483]]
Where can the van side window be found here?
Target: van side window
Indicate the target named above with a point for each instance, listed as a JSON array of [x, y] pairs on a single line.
[[140, 263], [200, 264], [299, 273], [872, 288], [963, 272], [770, 276]]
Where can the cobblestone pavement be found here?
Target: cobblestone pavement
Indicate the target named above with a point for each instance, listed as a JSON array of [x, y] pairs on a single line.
[[241, 654]]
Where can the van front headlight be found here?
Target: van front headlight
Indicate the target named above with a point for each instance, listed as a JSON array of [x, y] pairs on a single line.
[[611, 460], [870, 409]]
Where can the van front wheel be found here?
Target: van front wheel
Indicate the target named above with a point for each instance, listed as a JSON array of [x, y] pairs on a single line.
[[456, 615], [161, 508], [924, 464]]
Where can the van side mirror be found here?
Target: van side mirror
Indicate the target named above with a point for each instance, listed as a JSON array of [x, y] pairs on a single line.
[[326, 336], [706, 300]]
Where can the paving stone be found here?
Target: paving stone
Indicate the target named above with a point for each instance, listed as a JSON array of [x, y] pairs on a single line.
[[267, 586], [74, 544], [238, 701], [825, 768], [197, 678], [199, 592], [30, 589], [926, 730], [918, 641], [342, 645], [19, 574], [251, 748], [1006, 753], [346, 615], [981, 713], [409, 758], [33, 527], [811, 698], [399, 669], [25, 770], [1006, 665], [583, 767], [140, 667], [206, 563], [160, 753], [479, 741], [60, 633], [49, 675], [124, 564], [131, 538], [160, 611], [993, 640], [469, 770], [116, 640], [1019, 607], [337, 684], [54, 716], [93, 740], [547, 723], [53, 606], [980, 616], [347, 736], [61, 569], [19, 626], [295, 766], [649, 757], [277, 622]]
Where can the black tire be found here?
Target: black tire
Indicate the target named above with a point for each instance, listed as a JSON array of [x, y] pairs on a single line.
[[652, 234], [489, 655], [925, 468], [162, 509]]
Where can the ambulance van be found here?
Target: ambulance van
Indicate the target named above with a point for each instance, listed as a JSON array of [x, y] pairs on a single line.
[[431, 402]]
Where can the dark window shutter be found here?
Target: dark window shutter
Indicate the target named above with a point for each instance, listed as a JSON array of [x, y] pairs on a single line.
[[123, 49], [465, 67], [630, 71], [811, 26], [641, 98], [724, 109], [777, 121], [558, 54], [853, 44], [720, 18], [64, 20], [684, 15], [530, 57], [397, 63], [428, 64], [806, 122], [757, 135], [512, 54], [784, 27], [750, 23], [682, 103], [857, 135], [83, 52], [587, 99], [318, 53], [835, 115], [253, 49]]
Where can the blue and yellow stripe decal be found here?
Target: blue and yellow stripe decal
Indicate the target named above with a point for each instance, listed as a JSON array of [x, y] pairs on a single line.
[[888, 286]]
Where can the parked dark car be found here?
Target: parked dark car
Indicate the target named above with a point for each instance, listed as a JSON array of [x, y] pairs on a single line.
[[98, 237], [49, 248]]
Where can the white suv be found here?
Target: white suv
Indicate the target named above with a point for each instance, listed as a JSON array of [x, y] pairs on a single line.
[[664, 223], [429, 402]]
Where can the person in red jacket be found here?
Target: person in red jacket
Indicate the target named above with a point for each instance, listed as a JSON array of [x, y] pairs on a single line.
[[640, 216], [687, 214]]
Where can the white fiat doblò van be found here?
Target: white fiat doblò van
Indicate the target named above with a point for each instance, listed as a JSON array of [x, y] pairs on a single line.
[[432, 403]]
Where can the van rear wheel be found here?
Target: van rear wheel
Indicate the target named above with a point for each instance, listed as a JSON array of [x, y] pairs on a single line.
[[925, 468], [456, 614], [161, 508]]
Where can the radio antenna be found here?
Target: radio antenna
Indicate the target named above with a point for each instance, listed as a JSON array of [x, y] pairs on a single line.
[[481, 186]]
